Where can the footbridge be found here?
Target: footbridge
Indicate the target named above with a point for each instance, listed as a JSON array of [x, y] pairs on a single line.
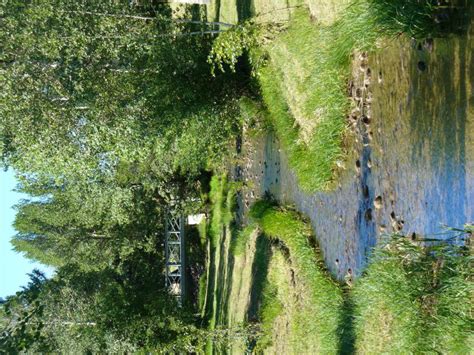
[[175, 255]]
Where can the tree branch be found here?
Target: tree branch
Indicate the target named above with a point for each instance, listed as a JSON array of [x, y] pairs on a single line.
[[146, 18]]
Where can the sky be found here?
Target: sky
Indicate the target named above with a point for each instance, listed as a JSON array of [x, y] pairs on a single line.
[[13, 266]]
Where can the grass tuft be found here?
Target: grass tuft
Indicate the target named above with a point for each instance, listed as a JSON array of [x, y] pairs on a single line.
[[306, 101], [415, 18], [415, 299]]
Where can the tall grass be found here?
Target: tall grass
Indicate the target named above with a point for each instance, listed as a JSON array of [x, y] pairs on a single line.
[[306, 100], [222, 200], [217, 199], [415, 299], [415, 18], [304, 82], [321, 315], [412, 298]]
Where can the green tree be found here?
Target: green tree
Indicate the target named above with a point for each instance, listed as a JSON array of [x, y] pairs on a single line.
[[93, 227], [21, 318], [89, 87]]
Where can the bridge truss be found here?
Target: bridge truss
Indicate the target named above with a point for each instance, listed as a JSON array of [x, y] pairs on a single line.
[[174, 256]]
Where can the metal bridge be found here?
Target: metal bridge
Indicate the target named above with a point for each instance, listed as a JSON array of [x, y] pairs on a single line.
[[199, 2], [174, 256]]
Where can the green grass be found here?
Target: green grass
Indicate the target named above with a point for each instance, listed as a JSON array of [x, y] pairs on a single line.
[[304, 69], [270, 309], [412, 299], [240, 240], [222, 201], [303, 88], [304, 82], [415, 300], [321, 314], [411, 17], [323, 296], [217, 199], [202, 292]]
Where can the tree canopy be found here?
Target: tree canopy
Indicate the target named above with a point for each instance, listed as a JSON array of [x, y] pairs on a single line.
[[90, 88], [108, 111]]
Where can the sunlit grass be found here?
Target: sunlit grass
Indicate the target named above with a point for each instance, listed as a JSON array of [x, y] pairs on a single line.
[[304, 84], [305, 101], [240, 240], [411, 299], [222, 201], [321, 312], [414, 299]]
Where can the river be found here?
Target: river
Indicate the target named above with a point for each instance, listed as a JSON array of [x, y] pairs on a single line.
[[410, 155]]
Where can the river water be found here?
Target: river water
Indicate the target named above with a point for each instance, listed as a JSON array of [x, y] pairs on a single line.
[[410, 167]]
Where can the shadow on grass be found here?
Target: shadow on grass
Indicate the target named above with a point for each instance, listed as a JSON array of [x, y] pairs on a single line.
[[210, 287], [244, 10], [227, 291], [259, 275], [225, 284], [346, 328], [218, 10]]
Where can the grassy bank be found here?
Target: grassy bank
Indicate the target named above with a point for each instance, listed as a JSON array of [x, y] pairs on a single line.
[[218, 232], [321, 298], [305, 102], [249, 280], [304, 84], [411, 298], [303, 66], [415, 300]]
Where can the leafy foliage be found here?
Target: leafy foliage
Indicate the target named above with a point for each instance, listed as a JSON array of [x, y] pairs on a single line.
[[155, 92], [108, 112], [19, 331], [237, 41]]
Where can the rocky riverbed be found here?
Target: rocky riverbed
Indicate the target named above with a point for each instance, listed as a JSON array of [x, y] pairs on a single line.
[[409, 166]]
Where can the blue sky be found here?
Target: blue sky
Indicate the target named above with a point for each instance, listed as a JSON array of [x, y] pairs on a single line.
[[13, 266]]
